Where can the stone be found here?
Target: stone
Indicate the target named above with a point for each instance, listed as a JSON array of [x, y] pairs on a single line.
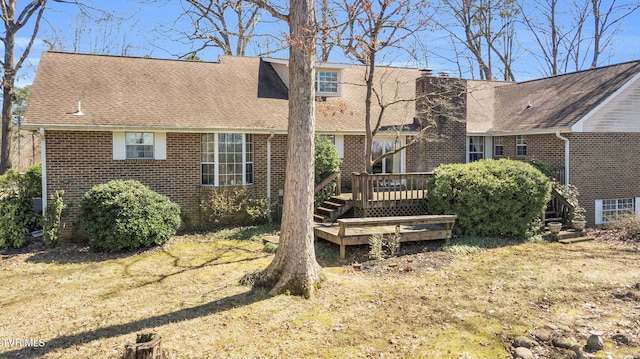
[[594, 342], [542, 335], [563, 343], [522, 353], [524, 342], [621, 338]]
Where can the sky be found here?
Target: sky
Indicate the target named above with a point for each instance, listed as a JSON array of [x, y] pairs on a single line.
[[143, 26]]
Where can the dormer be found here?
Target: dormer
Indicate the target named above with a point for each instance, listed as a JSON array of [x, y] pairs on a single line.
[[328, 76]]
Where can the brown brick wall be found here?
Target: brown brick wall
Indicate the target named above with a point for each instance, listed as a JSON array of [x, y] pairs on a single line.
[[546, 148], [353, 160], [76, 161], [604, 166]]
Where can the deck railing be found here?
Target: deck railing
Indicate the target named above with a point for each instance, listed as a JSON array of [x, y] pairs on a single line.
[[327, 181], [378, 194]]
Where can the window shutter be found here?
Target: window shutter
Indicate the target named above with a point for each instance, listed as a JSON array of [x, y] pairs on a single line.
[[160, 146], [637, 205], [598, 214], [119, 146], [340, 145]]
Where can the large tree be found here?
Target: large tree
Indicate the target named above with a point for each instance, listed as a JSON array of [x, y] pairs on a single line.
[[294, 268]]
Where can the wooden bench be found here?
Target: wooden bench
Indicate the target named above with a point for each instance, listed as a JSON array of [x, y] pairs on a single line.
[[352, 231]]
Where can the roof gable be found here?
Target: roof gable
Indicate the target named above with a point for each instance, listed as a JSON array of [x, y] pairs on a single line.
[[559, 102]]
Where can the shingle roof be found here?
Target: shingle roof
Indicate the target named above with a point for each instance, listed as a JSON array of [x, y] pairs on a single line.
[[234, 93], [557, 102]]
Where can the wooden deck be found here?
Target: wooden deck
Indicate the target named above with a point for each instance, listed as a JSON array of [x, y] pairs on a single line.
[[354, 231], [379, 195]]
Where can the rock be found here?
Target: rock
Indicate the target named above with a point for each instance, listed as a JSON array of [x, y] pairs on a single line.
[[524, 342], [621, 338], [522, 353], [563, 343], [542, 335], [594, 342]]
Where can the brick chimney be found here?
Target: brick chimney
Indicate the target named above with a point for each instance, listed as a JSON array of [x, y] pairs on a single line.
[[441, 105]]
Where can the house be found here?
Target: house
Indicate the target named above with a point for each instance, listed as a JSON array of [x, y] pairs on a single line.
[[185, 128], [585, 125]]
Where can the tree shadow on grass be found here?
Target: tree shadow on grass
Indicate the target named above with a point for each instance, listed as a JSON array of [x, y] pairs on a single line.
[[67, 341]]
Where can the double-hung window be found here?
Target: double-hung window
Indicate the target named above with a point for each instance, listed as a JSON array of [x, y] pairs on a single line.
[[521, 145], [226, 159], [498, 147], [139, 145], [327, 82]]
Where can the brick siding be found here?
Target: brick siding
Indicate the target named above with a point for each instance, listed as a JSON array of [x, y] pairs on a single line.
[[440, 106], [604, 166]]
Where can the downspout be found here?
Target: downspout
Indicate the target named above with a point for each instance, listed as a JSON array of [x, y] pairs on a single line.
[[269, 170], [43, 158], [566, 156]]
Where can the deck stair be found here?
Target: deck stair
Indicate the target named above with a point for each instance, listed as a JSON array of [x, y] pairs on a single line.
[[333, 208]]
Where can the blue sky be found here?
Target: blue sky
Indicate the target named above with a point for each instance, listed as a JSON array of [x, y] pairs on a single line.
[[145, 19]]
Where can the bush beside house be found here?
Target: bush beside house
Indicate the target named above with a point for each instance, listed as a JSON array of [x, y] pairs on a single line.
[[127, 215], [491, 197], [17, 215]]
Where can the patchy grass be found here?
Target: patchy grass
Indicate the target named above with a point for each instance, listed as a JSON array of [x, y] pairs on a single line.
[[431, 304]]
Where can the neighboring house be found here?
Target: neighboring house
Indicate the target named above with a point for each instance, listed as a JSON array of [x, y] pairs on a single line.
[[586, 125], [185, 128]]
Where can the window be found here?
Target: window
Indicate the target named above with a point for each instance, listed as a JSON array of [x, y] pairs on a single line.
[[498, 147], [327, 82], [389, 164], [331, 138], [476, 148], [613, 209], [521, 146], [139, 145], [226, 159]]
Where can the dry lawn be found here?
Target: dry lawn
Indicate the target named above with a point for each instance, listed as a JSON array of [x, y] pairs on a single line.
[[427, 304]]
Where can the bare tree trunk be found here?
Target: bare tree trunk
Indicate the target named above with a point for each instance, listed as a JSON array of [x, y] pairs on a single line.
[[294, 269], [8, 96]]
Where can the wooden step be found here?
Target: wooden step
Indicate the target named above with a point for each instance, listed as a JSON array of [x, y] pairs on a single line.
[[318, 218], [332, 204], [325, 210]]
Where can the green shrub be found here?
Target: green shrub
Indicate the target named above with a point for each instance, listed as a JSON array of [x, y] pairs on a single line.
[[491, 198], [221, 207], [52, 219], [127, 215], [17, 216], [326, 162]]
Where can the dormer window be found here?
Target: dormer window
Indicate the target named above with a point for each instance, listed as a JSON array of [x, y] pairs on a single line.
[[327, 82]]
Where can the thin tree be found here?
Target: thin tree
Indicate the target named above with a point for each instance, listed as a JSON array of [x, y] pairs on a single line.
[[486, 28], [294, 268], [558, 32], [229, 25], [99, 33], [607, 16], [375, 27], [14, 20]]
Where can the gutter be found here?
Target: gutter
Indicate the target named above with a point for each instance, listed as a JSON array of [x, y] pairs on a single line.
[[566, 156], [269, 170], [43, 158]]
